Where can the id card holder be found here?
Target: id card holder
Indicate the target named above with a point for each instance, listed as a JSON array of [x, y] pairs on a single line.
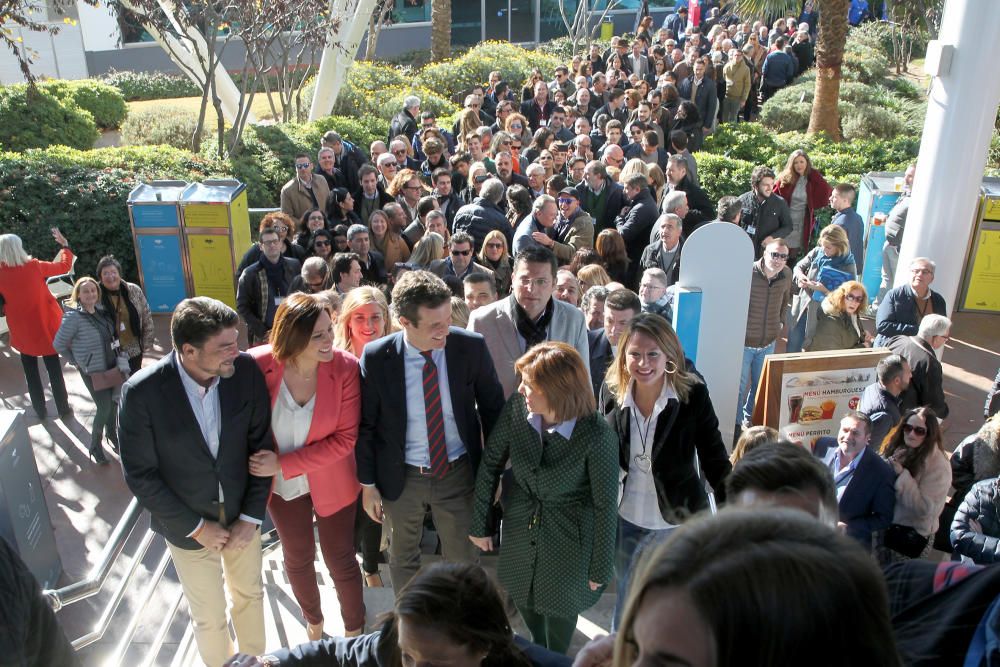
[[278, 300], [752, 230], [116, 344]]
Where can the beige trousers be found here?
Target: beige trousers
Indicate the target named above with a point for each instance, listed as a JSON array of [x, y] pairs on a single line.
[[202, 574]]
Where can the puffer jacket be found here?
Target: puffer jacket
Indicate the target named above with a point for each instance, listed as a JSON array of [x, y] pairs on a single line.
[[836, 330], [981, 504], [768, 303], [84, 339], [976, 458], [480, 218]]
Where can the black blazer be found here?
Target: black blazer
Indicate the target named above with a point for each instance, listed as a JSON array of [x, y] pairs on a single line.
[[530, 111], [476, 399], [869, 500], [601, 356], [683, 431], [165, 458]]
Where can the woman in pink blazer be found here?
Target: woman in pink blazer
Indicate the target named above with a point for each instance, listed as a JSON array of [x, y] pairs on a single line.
[[316, 406]]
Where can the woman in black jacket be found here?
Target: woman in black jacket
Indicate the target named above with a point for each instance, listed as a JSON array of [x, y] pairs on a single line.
[[312, 220], [668, 436]]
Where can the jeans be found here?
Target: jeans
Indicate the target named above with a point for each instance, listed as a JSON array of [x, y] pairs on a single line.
[[753, 364], [890, 258], [294, 521], [797, 332], [105, 418], [53, 365], [730, 110], [630, 537]]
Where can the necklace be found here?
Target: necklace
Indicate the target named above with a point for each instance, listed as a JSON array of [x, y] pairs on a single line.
[[642, 461]]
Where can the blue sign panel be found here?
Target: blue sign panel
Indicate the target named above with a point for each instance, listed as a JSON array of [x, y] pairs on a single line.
[[870, 202], [155, 215], [162, 271], [687, 319]]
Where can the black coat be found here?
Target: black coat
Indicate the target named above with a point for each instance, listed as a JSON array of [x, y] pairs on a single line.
[[615, 201], [476, 400], [480, 218], [349, 162], [532, 113], [762, 219], [634, 223], [165, 458], [898, 316], [601, 356], [683, 431], [402, 123], [925, 384], [697, 201]]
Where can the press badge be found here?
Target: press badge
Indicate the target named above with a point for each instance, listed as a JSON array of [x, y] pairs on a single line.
[[278, 300], [752, 230]]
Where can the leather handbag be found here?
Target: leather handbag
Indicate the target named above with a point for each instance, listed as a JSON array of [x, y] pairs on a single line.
[[904, 540], [109, 379]]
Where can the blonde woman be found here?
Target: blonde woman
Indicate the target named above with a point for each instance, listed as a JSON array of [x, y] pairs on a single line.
[[838, 324], [468, 122], [516, 126], [495, 256], [631, 168], [668, 437], [591, 275], [428, 249], [833, 252], [364, 317], [386, 241]]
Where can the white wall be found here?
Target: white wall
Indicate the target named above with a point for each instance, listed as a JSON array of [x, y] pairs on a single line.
[[60, 56]]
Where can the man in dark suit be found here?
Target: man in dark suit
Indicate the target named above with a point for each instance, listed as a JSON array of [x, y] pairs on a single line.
[[188, 426], [920, 351], [429, 396], [538, 109], [461, 261], [373, 269], [635, 222], [705, 96], [866, 493], [619, 309]]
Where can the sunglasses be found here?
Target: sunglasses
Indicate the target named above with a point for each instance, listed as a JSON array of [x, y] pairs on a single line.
[[496, 246], [320, 244], [779, 255], [854, 298], [302, 165], [461, 253], [280, 228], [566, 200], [918, 430]]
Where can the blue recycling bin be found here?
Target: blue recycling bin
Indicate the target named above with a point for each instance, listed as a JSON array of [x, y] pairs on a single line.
[[159, 251], [877, 193]]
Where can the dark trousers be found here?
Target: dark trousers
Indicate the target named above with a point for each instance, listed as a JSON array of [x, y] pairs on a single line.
[[135, 364], [35, 390], [294, 521], [367, 540], [553, 632], [107, 411], [449, 500]]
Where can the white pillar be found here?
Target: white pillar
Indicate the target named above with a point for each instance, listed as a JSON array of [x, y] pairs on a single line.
[[960, 113], [340, 53]]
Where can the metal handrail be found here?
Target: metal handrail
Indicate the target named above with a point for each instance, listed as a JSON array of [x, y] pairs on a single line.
[[98, 575]]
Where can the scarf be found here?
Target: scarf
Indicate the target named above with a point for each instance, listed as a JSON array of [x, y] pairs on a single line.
[[533, 332], [275, 275]]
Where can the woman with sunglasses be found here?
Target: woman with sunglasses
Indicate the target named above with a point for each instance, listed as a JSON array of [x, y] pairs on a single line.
[[838, 325], [923, 478], [321, 244], [494, 256], [540, 142], [516, 125], [281, 223]]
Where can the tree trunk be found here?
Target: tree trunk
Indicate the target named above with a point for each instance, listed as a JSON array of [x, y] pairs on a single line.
[[440, 29], [830, 42]]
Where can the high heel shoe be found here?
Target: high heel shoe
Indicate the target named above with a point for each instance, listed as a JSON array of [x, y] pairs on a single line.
[[97, 454], [314, 632]]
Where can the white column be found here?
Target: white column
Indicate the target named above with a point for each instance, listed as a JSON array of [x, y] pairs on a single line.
[[340, 53], [960, 114]]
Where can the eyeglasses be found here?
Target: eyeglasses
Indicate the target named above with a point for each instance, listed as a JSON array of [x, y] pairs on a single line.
[[411, 187], [779, 255], [516, 126], [302, 165], [918, 430], [401, 151], [856, 298], [280, 228], [461, 253], [922, 270]]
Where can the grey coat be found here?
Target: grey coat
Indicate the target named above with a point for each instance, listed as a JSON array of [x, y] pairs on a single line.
[[85, 340]]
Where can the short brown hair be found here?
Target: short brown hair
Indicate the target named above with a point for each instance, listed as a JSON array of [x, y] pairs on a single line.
[[415, 289], [293, 325], [556, 370]]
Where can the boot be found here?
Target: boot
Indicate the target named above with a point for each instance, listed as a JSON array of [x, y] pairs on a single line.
[[97, 454]]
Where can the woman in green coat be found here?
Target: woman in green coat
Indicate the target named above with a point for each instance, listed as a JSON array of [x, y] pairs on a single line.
[[839, 324], [559, 519]]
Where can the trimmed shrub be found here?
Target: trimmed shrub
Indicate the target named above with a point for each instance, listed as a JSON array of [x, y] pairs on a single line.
[[363, 80], [84, 193], [743, 141], [359, 131], [453, 77], [37, 119], [137, 86], [872, 122], [170, 125], [782, 115], [104, 102], [720, 176], [864, 64]]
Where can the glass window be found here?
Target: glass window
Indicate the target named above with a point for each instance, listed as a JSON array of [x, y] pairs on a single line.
[[412, 11], [466, 23]]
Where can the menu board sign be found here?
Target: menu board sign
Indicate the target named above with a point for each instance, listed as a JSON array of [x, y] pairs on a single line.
[[812, 403]]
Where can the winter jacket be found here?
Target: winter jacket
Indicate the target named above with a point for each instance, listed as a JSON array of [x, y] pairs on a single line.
[[836, 331], [140, 318], [253, 294], [738, 80], [817, 196], [480, 218], [882, 409], [779, 69], [572, 235], [402, 123], [769, 300], [898, 315], [84, 339], [804, 305], [761, 219], [634, 224], [33, 315], [920, 499], [982, 504], [926, 381], [296, 199]]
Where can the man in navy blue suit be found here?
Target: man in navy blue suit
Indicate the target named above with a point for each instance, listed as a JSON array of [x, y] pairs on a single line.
[[865, 483], [430, 395]]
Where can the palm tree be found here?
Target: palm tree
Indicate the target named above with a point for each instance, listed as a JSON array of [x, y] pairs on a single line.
[[440, 29], [830, 42]]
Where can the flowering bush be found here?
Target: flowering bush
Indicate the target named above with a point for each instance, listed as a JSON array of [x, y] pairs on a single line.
[[453, 77]]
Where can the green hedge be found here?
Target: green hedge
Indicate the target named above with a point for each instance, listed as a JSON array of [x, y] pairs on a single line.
[[136, 86], [171, 125], [84, 193], [451, 78], [38, 118], [104, 102]]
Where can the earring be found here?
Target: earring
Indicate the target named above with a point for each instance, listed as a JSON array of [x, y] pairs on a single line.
[[671, 367]]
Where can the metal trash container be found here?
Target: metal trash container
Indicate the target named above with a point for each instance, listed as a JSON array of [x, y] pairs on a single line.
[[217, 233], [981, 281], [877, 194], [159, 250], [24, 515]]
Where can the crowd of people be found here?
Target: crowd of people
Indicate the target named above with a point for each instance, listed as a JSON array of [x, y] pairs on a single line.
[[471, 328]]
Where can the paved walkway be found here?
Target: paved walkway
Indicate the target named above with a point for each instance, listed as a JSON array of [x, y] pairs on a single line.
[[85, 501]]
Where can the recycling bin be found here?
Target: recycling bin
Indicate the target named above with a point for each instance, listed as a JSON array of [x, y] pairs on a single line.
[[159, 249], [877, 194]]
